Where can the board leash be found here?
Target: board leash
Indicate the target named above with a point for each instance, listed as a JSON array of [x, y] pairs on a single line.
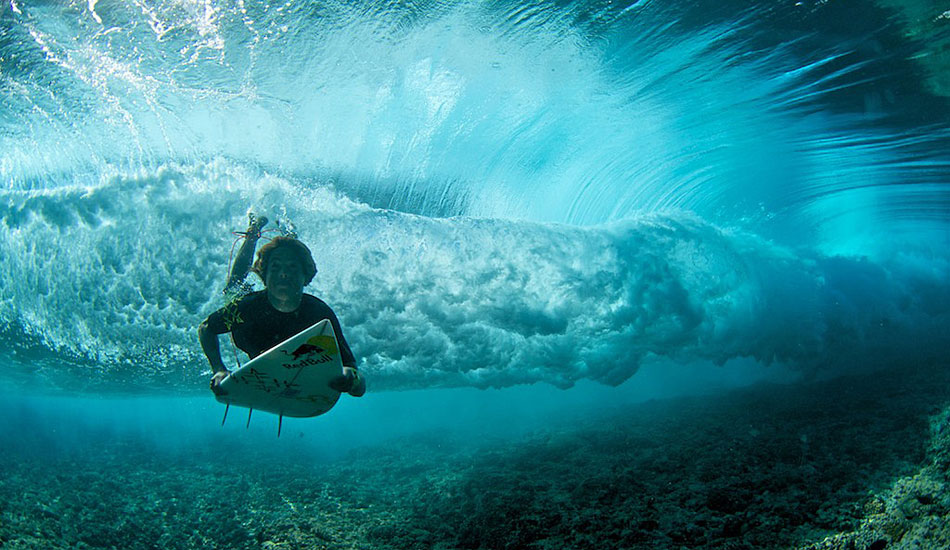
[[236, 290], [239, 288]]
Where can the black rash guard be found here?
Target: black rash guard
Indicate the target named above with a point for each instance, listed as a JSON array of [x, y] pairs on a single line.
[[257, 327]]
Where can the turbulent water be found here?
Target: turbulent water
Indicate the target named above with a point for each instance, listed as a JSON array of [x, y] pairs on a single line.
[[578, 204], [496, 193]]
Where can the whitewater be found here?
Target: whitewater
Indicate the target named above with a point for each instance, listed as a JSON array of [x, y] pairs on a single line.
[[118, 275], [493, 197]]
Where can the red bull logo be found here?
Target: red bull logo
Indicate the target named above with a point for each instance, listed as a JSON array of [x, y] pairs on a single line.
[[316, 350]]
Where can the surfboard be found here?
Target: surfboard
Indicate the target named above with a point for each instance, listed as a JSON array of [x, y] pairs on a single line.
[[290, 379]]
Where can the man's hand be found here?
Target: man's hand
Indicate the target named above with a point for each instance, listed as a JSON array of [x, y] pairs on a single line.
[[345, 383], [217, 379]]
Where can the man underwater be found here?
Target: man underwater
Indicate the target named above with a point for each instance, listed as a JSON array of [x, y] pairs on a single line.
[[260, 320]]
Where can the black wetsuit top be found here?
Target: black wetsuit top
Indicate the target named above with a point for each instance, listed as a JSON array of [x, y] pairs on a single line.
[[257, 327]]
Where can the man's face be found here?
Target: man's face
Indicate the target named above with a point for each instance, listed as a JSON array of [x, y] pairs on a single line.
[[284, 273]]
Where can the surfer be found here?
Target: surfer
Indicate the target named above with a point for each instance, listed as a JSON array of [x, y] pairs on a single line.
[[260, 320]]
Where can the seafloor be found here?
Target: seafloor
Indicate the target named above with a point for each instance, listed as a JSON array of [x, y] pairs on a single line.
[[853, 463]]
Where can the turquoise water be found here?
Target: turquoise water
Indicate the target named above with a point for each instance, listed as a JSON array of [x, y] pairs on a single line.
[[526, 215]]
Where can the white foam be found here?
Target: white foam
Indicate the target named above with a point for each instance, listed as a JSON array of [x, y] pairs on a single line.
[[121, 273]]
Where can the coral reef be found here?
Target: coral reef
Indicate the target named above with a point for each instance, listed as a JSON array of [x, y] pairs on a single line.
[[857, 463], [913, 514]]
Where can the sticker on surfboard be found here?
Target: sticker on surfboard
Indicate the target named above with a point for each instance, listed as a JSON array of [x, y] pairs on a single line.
[[290, 379]]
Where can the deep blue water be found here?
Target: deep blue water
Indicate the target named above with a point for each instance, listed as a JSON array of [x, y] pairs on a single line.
[[576, 204]]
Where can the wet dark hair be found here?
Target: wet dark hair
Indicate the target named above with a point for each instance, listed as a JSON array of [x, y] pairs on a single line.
[[300, 249]]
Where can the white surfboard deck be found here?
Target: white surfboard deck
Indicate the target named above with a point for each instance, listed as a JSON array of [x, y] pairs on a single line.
[[290, 379]]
